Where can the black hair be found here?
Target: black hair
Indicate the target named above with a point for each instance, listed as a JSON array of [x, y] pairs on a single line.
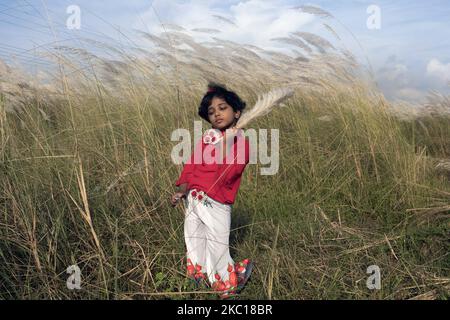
[[219, 91]]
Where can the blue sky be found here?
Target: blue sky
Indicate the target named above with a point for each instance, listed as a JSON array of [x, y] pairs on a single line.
[[409, 54]]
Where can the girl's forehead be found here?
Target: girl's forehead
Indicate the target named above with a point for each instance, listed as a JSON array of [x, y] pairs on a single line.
[[216, 101]]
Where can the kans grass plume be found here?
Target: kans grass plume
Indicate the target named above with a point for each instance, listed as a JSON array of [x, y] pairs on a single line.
[[264, 105]]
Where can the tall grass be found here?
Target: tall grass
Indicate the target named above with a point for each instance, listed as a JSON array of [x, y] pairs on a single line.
[[86, 175]]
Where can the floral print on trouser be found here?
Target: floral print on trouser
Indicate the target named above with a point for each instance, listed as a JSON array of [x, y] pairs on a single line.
[[206, 232]]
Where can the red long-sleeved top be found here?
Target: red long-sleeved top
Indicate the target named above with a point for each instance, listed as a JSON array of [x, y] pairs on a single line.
[[220, 181]]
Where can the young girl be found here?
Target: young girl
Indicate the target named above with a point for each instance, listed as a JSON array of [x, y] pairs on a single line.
[[209, 189]]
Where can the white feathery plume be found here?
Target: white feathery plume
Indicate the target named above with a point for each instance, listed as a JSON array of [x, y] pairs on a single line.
[[264, 105]]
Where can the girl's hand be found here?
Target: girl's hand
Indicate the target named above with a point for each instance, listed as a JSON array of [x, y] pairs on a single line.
[[234, 130], [176, 198]]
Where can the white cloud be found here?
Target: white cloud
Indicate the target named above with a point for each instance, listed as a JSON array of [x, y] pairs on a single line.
[[260, 20], [256, 20], [398, 81], [410, 94], [398, 72], [438, 70]]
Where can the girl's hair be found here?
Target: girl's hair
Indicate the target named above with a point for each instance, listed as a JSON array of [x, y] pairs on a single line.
[[219, 91]]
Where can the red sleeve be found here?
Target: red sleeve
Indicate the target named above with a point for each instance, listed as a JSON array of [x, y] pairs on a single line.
[[230, 172], [186, 172], [188, 168]]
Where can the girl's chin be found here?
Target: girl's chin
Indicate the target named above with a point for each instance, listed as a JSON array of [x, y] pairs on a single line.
[[221, 127]]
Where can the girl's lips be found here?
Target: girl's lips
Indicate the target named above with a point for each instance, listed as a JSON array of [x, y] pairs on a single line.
[[219, 121]]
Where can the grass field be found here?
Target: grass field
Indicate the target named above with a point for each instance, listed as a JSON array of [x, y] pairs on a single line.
[[85, 179]]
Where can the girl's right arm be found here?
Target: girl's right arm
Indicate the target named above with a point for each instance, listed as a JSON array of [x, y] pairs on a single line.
[[186, 173], [185, 176], [182, 184]]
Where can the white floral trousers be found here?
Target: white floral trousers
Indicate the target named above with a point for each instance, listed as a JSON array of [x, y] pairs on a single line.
[[206, 232]]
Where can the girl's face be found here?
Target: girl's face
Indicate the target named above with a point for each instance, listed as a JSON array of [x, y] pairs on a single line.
[[221, 115]]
